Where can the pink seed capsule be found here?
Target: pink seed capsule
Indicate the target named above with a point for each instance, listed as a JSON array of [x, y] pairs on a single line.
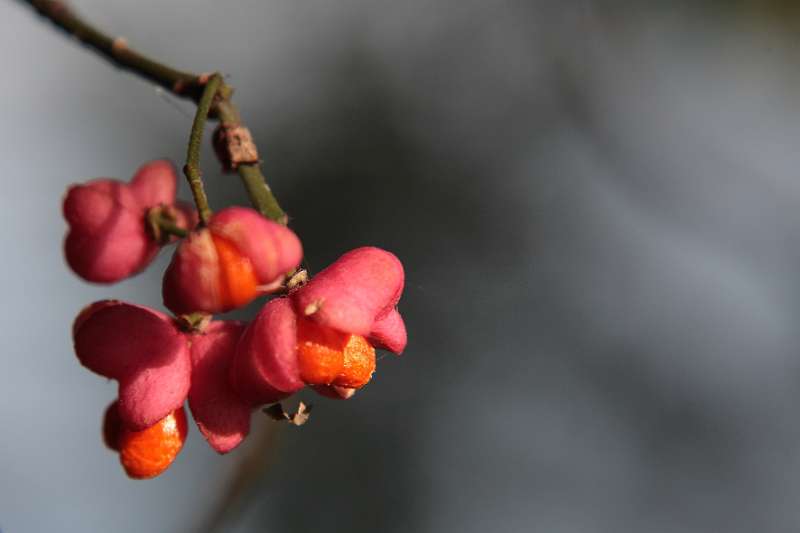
[[239, 256], [265, 368], [389, 332], [155, 183], [141, 349], [107, 239], [221, 415], [349, 295]]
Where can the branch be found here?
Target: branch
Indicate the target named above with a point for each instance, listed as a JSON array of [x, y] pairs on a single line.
[[257, 189], [182, 84], [116, 50]]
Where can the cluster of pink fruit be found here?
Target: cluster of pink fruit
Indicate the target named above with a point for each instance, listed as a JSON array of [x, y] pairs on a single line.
[[320, 333]]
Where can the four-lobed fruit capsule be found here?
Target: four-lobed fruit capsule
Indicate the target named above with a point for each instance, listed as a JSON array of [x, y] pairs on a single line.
[[237, 257], [324, 334], [108, 238]]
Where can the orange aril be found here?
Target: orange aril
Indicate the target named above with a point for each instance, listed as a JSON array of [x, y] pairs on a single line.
[[237, 279], [359, 363], [320, 354], [326, 356], [147, 453]]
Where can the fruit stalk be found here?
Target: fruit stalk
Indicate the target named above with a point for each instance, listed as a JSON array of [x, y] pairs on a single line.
[[192, 167]]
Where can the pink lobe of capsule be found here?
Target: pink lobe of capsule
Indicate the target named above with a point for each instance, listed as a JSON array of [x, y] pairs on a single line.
[[265, 368], [349, 295], [221, 415], [141, 349]]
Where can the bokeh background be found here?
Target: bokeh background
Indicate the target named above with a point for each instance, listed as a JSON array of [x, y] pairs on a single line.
[[598, 207]]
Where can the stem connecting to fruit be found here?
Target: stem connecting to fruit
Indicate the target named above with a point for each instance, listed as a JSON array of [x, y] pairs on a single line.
[[162, 226], [182, 84], [257, 189], [192, 166]]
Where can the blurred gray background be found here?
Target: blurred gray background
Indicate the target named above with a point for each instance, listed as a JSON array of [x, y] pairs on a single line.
[[598, 207]]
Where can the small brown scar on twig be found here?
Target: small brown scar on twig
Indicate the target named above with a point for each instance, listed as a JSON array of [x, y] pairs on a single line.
[[58, 8], [178, 87], [119, 45], [235, 146]]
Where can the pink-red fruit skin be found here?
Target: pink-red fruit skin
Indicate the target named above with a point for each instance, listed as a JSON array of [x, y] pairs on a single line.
[[265, 368], [324, 333], [107, 239], [389, 332], [273, 249], [239, 256], [358, 294], [221, 415], [155, 183], [141, 349]]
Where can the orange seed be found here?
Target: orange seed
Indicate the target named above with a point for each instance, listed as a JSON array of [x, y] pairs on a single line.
[[359, 363], [326, 356], [320, 354], [237, 279], [148, 453]]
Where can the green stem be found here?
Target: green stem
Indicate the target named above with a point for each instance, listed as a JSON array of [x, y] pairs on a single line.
[[260, 194], [254, 182], [192, 167], [169, 227], [161, 223]]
